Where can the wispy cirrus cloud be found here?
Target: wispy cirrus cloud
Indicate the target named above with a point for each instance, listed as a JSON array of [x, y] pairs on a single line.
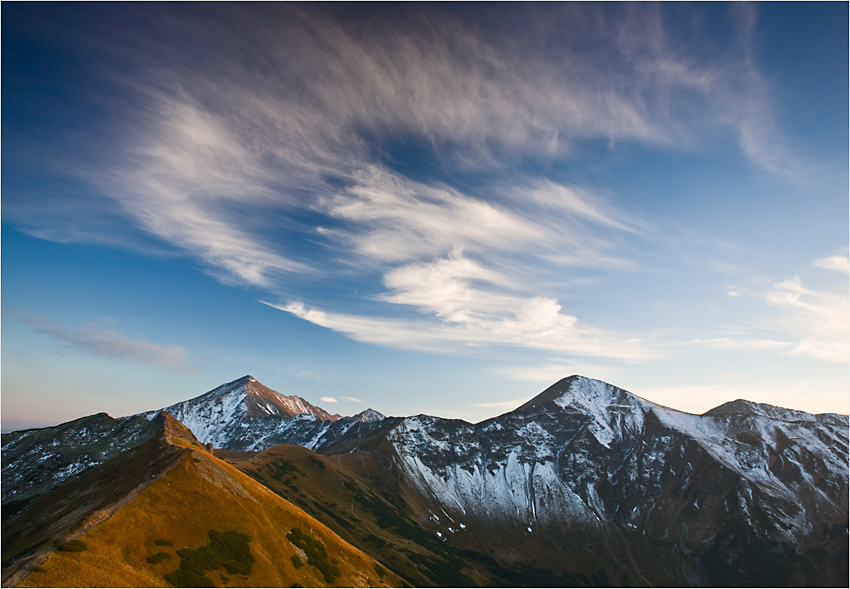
[[108, 343], [456, 313], [287, 118], [805, 321], [391, 218], [819, 318], [186, 184], [390, 222], [838, 262], [254, 154]]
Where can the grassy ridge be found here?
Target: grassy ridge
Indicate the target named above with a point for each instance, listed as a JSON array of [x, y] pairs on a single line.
[[50, 520], [174, 516]]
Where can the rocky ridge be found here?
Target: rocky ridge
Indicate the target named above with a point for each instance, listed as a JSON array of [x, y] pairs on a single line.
[[246, 415]]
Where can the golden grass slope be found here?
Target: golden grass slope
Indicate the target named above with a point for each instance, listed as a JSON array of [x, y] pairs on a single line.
[[51, 519], [199, 494]]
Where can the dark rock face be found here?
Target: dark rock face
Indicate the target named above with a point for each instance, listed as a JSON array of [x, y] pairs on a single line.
[[744, 495]]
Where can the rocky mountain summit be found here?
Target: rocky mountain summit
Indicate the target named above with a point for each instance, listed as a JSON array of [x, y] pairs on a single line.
[[246, 415], [711, 499]]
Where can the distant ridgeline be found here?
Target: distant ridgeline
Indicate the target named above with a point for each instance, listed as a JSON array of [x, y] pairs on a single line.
[[584, 485]]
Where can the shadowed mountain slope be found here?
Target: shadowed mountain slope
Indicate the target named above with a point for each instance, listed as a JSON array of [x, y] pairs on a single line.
[[591, 484], [166, 512]]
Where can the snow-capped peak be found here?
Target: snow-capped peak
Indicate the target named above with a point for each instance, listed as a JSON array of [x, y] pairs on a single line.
[[369, 416], [586, 394], [227, 411]]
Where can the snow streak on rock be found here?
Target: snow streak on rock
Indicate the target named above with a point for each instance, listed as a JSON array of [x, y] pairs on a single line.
[[245, 415], [590, 452]]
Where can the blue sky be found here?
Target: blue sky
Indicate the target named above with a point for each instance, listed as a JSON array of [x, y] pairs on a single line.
[[423, 208]]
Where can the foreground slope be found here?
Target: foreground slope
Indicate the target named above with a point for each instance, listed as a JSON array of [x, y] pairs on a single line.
[[191, 508], [59, 482]]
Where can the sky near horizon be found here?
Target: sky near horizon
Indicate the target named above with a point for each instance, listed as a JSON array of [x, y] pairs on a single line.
[[423, 208]]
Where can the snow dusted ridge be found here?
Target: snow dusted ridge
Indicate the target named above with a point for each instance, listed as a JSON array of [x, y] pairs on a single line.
[[38, 460], [246, 415], [595, 455]]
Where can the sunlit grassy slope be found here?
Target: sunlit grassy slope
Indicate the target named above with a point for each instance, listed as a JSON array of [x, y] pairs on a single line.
[[41, 525], [138, 545]]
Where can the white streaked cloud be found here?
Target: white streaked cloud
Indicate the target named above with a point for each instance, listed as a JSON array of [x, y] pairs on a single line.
[[444, 288], [108, 343], [471, 317], [328, 400], [390, 219], [291, 114], [395, 219], [798, 320], [839, 262], [573, 202], [186, 183], [820, 319], [253, 154], [351, 399]]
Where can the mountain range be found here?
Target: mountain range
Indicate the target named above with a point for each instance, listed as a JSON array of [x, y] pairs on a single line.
[[586, 484]]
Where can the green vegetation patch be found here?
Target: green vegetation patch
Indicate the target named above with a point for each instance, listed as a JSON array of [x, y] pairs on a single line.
[[296, 561], [373, 539], [229, 550], [282, 467], [163, 542], [74, 546], [380, 570], [158, 557], [317, 555], [447, 571], [334, 515]]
